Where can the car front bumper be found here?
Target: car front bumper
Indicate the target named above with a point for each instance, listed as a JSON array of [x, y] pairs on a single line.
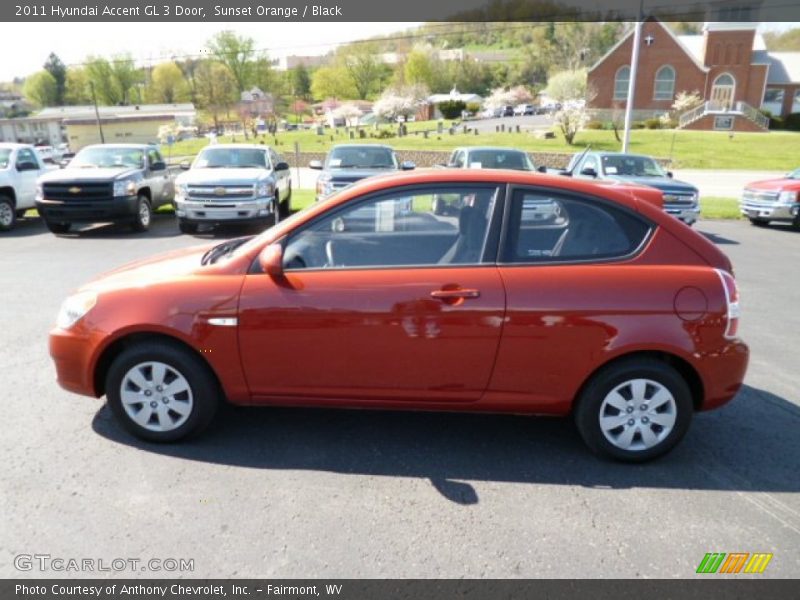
[[225, 212], [119, 208], [687, 214], [769, 211]]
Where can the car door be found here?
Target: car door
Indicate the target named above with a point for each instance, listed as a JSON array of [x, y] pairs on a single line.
[[28, 168], [161, 185], [569, 291], [381, 300], [281, 177]]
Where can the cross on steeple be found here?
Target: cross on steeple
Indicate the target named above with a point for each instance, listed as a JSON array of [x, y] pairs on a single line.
[[649, 40]]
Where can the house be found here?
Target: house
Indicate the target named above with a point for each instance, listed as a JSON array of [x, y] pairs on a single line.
[[728, 65], [431, 109]]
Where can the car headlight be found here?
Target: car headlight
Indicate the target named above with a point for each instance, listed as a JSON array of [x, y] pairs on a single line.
[[694, 197], [39, 191], [75, 308], [182, 189], [124, 187], [324, 185], [787, 197], [264, 189]]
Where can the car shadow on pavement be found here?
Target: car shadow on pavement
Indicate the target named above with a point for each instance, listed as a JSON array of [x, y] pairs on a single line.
[[749, 445], [718, 239]]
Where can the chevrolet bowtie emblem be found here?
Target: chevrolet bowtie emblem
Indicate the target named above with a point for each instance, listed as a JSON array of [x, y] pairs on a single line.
[[74, 190], [220, 191]]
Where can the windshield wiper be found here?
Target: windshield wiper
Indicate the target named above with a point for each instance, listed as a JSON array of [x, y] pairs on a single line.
[[214, 254]]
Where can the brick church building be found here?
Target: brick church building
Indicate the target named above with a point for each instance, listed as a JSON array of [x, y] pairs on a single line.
[[728, 65]]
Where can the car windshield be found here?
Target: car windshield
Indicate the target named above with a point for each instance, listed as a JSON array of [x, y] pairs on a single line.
[[632, 166], [793, 175], [499, 159], [361, 157], [109, 157], [5, 156], [231, 158]]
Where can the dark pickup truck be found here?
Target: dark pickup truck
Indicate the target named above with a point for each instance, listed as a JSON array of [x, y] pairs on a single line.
[[114, 182]]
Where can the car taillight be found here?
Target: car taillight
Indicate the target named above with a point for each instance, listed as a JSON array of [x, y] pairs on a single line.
[[731, 302]]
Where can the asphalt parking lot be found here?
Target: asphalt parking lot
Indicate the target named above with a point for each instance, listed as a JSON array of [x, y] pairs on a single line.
[[316, 493]]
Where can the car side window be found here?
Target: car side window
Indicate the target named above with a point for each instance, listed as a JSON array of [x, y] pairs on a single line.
[[458, 160], [590, 162], [419, 227], [153, 157], [548, 227], [26, 155]]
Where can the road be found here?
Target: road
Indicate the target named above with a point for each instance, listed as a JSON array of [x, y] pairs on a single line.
[[318, 493]]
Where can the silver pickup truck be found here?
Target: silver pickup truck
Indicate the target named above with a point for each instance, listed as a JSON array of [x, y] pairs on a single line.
[[233, 183], [106, 182]]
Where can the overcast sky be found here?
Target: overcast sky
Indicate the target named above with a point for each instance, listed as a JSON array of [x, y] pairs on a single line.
[[24, 47]]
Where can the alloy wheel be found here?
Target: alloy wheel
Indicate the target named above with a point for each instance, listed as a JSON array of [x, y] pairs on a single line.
[[638, 414]]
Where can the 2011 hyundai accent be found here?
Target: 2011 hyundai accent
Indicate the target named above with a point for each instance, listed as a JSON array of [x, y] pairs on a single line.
[[613, 312]]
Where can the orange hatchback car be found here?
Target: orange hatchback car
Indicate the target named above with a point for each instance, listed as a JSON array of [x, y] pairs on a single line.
[[534, 294]]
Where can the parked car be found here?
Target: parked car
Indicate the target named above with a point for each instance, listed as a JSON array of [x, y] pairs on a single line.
[[681, 200], [524, 109], [347, 163], [121, 183], [233, 183], [492, 113], [507, 111], [20, 167], [773, 200], [619, 316]]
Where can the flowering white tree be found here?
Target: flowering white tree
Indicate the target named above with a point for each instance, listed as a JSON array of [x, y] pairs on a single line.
[[570, 89], [399, 102], [349, 112], [504, 96]]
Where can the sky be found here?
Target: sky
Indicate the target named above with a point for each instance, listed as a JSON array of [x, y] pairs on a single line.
[[24, 47]]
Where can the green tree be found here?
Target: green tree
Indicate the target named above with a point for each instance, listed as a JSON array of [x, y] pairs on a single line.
[[101, 78], [41, 88], [236, 53], [216, 89], [125, 75], [361, 63], [56, 68], [332, 81], [301, 82], [419, 68], [167, 84], [77, 90]]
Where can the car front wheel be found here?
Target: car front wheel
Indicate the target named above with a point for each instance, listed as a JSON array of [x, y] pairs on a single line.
[[143, 216], [161, 392], [8, 216], [57, 228], [634, 410], [759, 222], [186, 227]]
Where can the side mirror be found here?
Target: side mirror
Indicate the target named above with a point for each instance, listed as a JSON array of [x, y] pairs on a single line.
[[158, 166], [27, 165], [407, 165], [589, 172], [669, 174], [271, 260], [185, 165], [315, 164], [282, 166], [541, 169]]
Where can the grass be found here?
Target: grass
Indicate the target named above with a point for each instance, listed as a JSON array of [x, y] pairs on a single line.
[[302, 198], [778, 150], [715, 207]]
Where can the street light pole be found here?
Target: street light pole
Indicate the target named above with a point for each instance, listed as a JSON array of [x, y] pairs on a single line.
[[97, 113], [637, 36]]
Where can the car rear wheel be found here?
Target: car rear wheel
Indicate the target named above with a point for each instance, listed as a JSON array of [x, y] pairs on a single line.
[[186, 227], [143, 216], [286, 205], [56, 227], [635, 410], [759, 222], [8, 216], [161, 392]]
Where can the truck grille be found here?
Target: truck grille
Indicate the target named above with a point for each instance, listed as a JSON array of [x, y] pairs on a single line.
[[220, 193], [754, 198], [679, 199], [78, 191]]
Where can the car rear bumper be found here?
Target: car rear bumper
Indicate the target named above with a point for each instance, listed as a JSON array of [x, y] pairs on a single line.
[[111, 209], [723, 373]]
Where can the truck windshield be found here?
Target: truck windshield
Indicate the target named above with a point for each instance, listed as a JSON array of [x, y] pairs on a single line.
[[500, 159], [5, 155], [361, 157], [109, 157], [632, 166], [231, 158]]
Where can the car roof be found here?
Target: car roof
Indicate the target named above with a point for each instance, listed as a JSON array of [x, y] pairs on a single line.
[[14, 145], [384, 146], [631, 154], [491, 149], [136, 146], [238, 146]]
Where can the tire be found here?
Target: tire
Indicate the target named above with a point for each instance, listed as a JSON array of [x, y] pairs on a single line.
[[58, 228], [161, 420], [21, 212], [796, 222], [186, 227], [143, 216], [636, 428], [758, 222], [285, 208], [8, 214]]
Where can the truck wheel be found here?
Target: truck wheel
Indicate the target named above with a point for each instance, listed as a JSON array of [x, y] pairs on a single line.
[[21, 212], [186, 227], [635, 410], [759, 222], [8, 216], [144, 214], [58, 227], [286, 206]]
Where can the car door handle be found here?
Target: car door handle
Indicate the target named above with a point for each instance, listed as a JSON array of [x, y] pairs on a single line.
[[454, 294]]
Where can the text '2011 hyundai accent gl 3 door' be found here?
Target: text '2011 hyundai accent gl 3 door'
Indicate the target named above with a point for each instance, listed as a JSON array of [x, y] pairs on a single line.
[[382, 300]]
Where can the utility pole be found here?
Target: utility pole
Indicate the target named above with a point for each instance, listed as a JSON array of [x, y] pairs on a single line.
[[97, 114], [637, 36]]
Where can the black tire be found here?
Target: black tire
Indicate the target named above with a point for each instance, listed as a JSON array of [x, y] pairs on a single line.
[[143, 216], [286, 206], [8, 214], [796, 222], [21, 212], [58, 228], [205, 391], [758, 222], [590, 402], [186, 227]]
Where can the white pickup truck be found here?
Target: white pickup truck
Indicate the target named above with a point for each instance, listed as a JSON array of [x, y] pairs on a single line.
[[20, 167]]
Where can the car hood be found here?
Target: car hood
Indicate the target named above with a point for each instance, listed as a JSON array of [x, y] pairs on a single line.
[[88, 174], [664, 184], [221, 176], [354, 174], [775, 185], [160, 267]]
